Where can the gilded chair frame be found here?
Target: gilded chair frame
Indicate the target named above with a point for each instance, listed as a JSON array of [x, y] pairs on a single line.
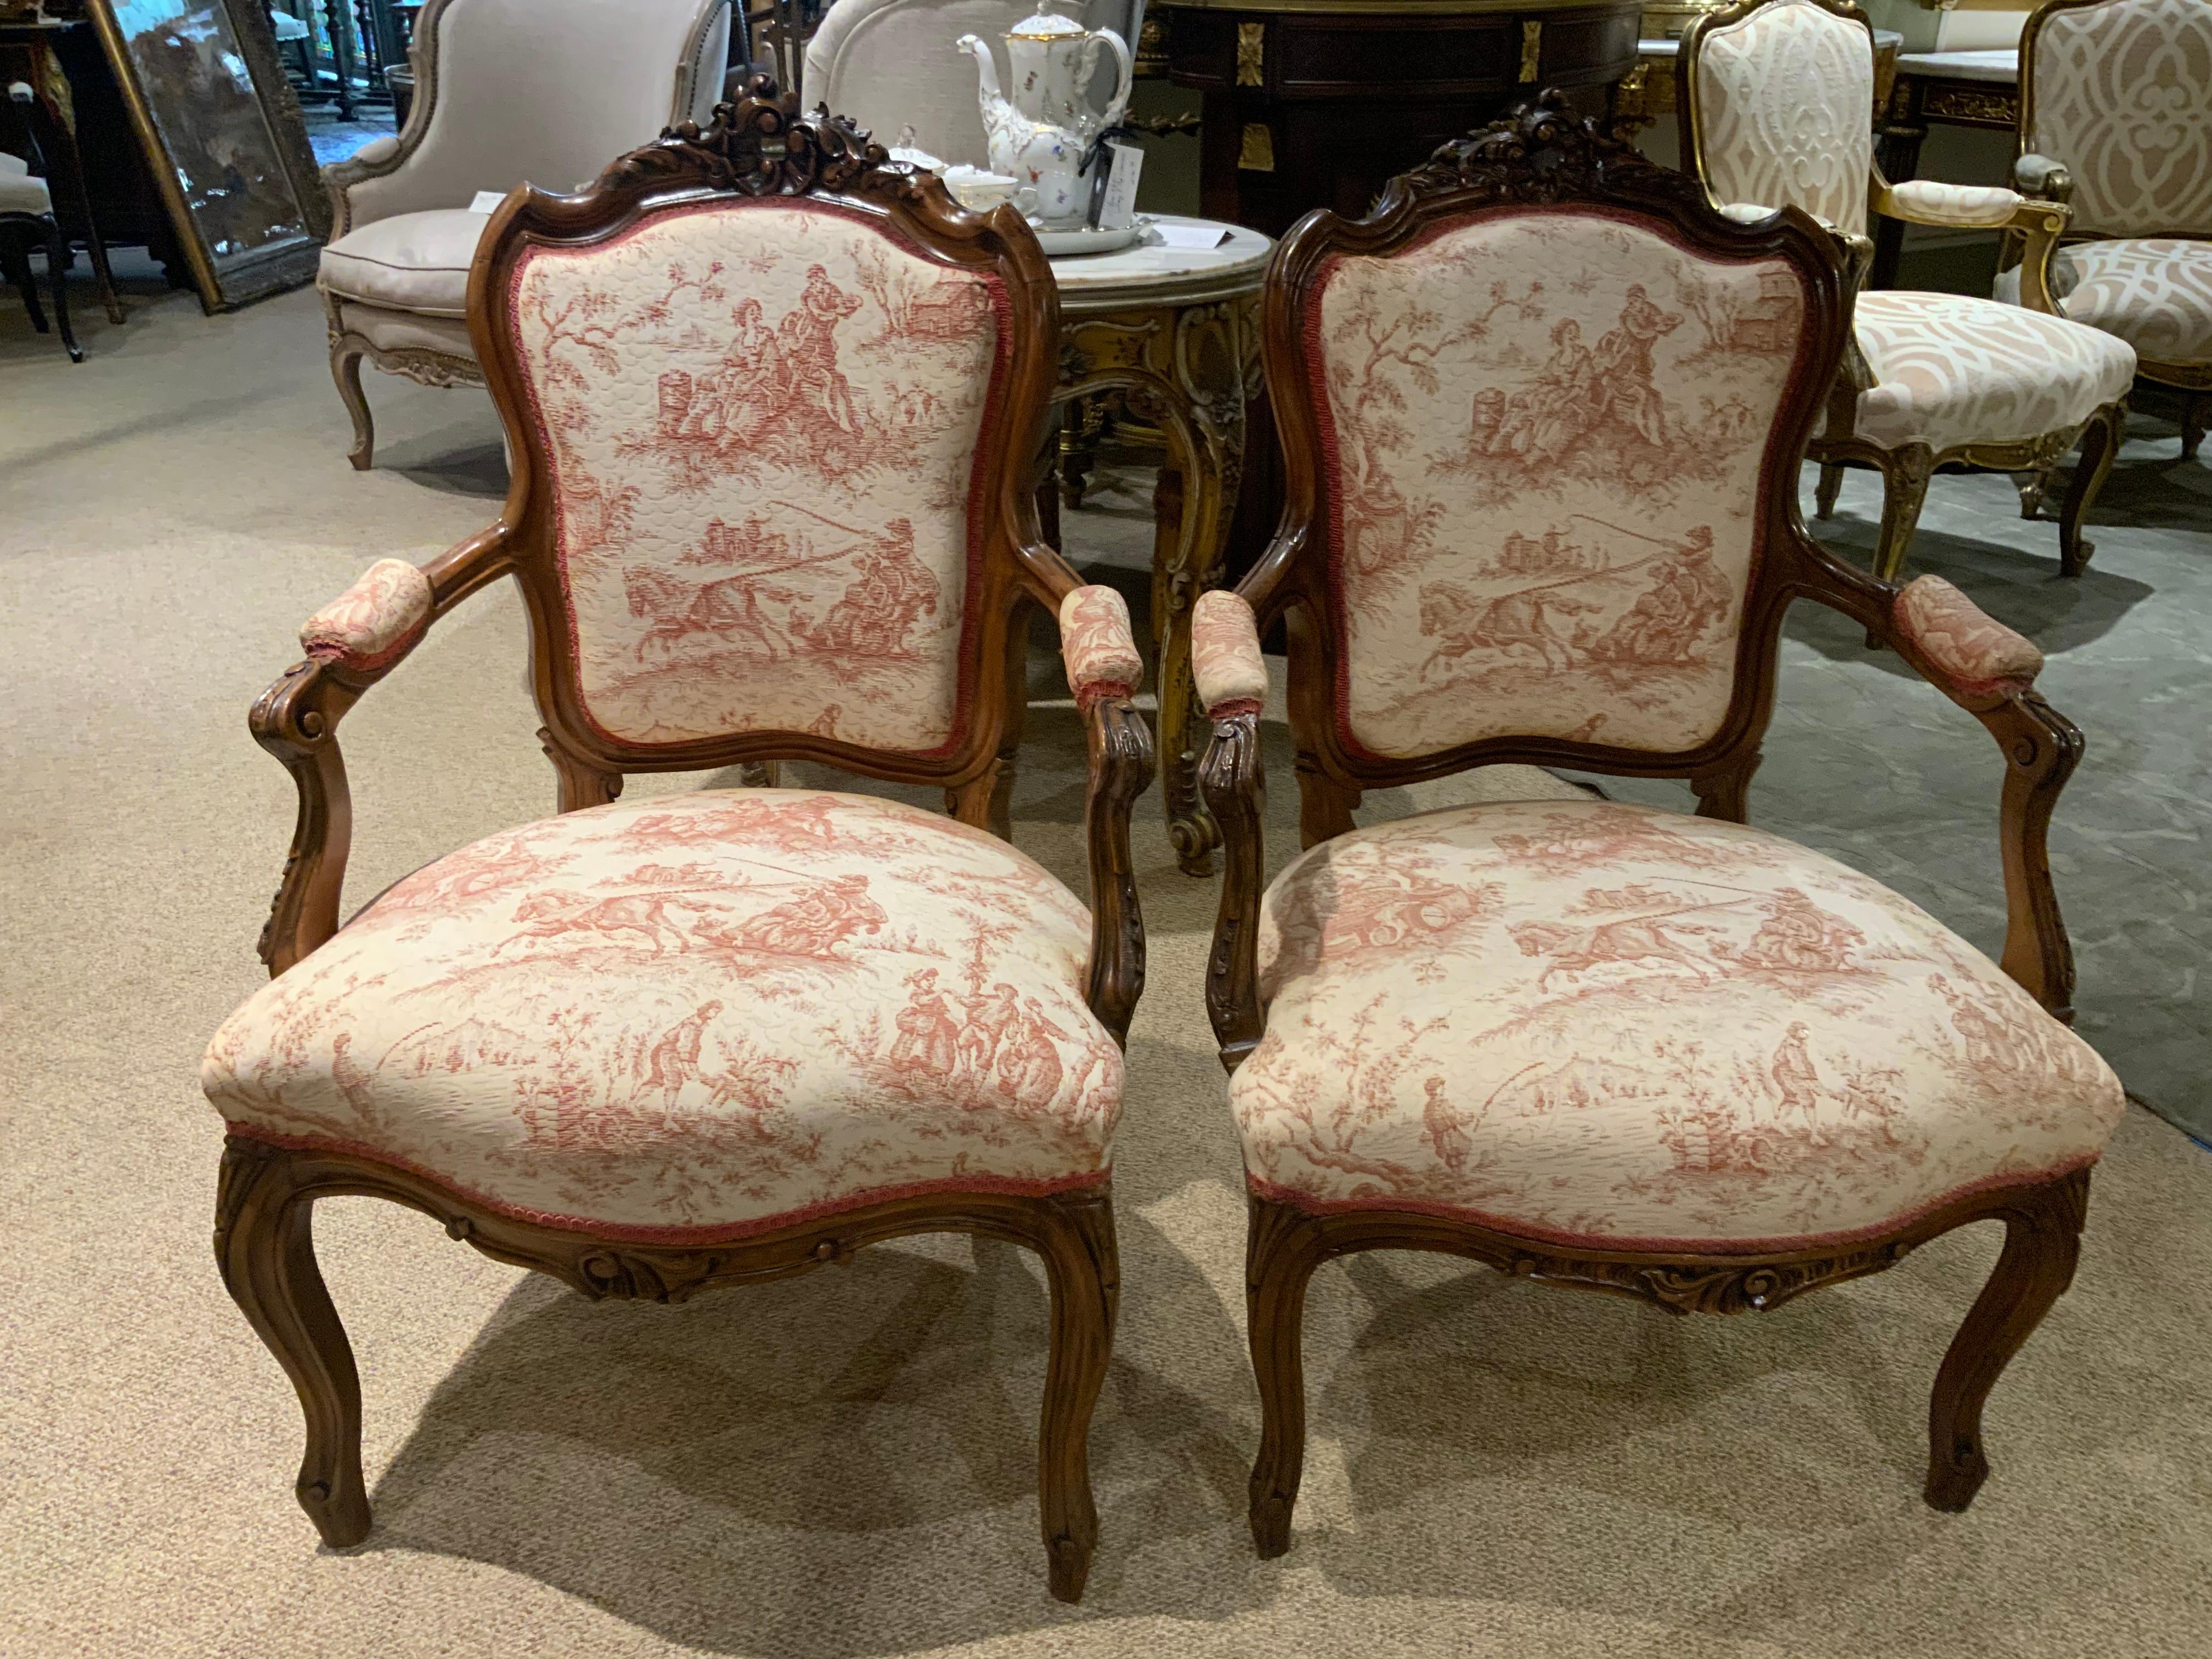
[[1906, 470], [758, 146], [1543, 154], [2048, 180]]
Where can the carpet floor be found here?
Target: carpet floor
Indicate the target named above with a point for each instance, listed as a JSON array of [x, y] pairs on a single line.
[[840, 1465]]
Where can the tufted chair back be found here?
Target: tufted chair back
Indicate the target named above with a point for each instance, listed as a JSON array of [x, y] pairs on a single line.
[[2121, 92], [1781, 111], [770, 436], [543, 91]]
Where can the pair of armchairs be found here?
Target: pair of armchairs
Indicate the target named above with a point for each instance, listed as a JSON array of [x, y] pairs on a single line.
[[508, 92], [1776, 110], [782, 508]]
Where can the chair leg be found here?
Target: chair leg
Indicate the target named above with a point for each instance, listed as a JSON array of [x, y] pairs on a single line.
[[1825, 494], [264, 1242], [2042, 1237], [57, 280], [2195, 420], [345, 369], [15, 262], [1904, 475], [1281, 1254], [2100, 443], [1083, 1268]]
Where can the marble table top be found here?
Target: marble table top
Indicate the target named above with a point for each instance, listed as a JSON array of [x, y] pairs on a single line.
[[2001, 65], [1148, 274]]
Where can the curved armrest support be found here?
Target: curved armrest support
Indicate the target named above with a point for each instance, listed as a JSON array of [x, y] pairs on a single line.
[[1989, 670], [1232, 684], [2036, 214], [1097, 646], [351, 644], [1118, 750]]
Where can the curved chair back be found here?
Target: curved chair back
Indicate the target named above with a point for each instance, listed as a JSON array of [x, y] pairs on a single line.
[[2121, 92]]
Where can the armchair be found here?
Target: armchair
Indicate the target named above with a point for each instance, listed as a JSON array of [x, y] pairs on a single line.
[[27, 220], [508, 92], [766, 507], [2115, 122], [1777, 109], [1662, 1057]]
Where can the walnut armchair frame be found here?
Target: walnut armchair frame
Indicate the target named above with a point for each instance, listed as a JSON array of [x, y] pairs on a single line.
[[758, 146], [1542, 155], [2032, 228]]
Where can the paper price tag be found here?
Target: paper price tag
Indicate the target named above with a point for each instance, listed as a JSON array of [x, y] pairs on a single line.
[[1190, 236], [487, 201], [1120, 209]]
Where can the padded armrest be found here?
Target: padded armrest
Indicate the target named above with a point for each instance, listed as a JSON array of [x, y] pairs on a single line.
[[372, 623], [1097, 646], [1225, 655], [1927, 202], [378, 150], [2041, 176], [1976, 654]]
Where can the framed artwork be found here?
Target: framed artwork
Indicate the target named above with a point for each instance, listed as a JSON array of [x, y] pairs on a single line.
[[225, 138]]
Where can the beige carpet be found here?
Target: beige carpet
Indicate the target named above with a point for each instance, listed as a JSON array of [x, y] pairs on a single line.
[[840, 1465]]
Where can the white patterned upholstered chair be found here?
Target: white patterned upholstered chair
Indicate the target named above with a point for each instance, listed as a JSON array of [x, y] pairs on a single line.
[[1776, 108], [773, 410], [2116, 120], [1542, 415], [507, 92], [27, 220]]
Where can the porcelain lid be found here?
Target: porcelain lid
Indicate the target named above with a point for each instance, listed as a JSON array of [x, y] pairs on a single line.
[[1045, 26]]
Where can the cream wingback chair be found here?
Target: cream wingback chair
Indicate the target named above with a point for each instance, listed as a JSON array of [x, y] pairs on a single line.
[[1777, 103], [543, 91], [2116, 119], [891, 65]]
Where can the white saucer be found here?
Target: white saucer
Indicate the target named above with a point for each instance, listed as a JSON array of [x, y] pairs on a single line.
[[1066, 244]]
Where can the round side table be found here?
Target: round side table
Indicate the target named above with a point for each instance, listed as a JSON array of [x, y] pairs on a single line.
[[1176, 332]]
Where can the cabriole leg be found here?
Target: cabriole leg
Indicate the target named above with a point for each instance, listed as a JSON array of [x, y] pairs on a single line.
[[2100, 443], [1082, 1266], [345, 369], [1825, 493], [1281, 1254]]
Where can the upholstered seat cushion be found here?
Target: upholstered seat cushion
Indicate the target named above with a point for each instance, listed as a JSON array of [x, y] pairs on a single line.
[[2155, 292], [417, 262], [1951, 370], [696, 1017], [20, 192], [1608, 1025]]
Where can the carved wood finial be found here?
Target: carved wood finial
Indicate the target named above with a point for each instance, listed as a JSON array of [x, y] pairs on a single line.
[[762, 143], [1542, 151]]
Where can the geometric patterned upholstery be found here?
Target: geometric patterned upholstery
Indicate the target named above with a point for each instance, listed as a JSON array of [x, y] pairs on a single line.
[[1783, 101], [1951, 370], [2122, 96], [1613, 1026], [2155, 293], [696, 1017]]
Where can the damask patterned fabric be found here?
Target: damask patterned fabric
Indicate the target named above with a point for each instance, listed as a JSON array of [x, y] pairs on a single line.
[[764, 418], [1603, 1024], [2122, 96], [373, 621], [1931, 202], [1785, 102], [1224, 654], [696, 1016], [1096, 645], [1950, 369], [1975, 650], [2155, 293], [1546, 430]]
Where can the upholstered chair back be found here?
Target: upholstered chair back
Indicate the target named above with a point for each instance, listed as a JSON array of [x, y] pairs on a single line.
[[1782, 109], [1549, 443], [769, 444], [890, 64], [543, 91], [2121, 92]]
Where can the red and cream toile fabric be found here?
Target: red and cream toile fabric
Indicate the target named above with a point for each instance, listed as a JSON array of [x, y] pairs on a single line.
[[2155, 293], [1096, 645], [1610, 1025], [2122, 96], [1224, 654], [696, 1015], [379, 616], [1543, 503], [1977, 652], [1950, 369], [1965, 205], [1784, 99], [764, 418]]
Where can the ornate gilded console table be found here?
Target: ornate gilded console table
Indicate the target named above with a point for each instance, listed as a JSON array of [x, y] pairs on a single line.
[[1316, 103], [1955, 89]]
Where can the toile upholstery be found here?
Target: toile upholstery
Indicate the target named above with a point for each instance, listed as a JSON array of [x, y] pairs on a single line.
[[2116, 121], [510, 91], [1542, 414], [768, 505], [1777, 109]]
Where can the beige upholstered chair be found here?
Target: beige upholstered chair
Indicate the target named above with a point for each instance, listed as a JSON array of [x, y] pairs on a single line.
[[508, 92], [772, 410], [1776, 108], [2116, 120], [27, 220], [1543, 416], [891, 65]]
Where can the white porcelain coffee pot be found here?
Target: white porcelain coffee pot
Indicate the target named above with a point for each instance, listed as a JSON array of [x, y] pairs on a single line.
[[1039, 134]]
